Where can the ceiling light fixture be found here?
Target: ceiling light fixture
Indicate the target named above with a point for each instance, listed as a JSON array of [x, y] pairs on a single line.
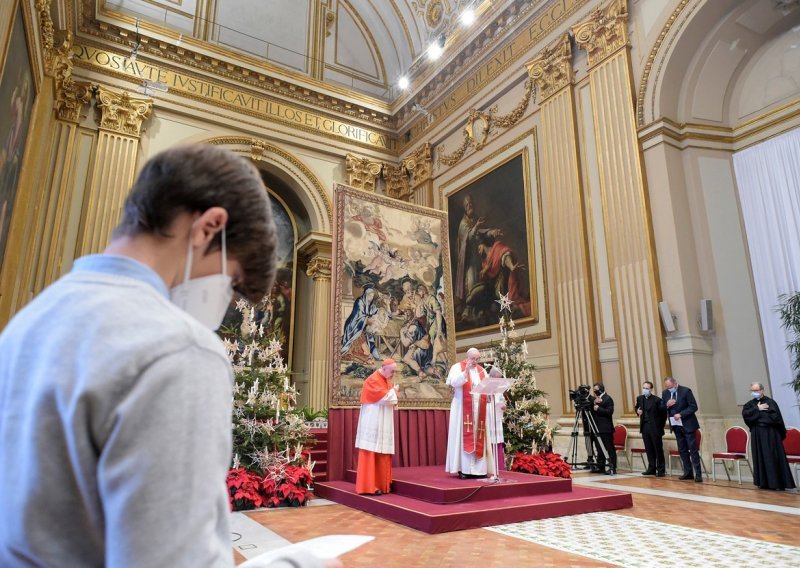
[[436, 48], [402, 82], [468, 17]]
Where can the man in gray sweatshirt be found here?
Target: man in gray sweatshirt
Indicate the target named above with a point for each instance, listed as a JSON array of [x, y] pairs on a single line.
[[115, 392]]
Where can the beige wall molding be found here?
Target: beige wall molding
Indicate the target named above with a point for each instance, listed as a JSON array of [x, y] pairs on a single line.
[[482, 125], [122, 113], [604, 33], [551, 70]]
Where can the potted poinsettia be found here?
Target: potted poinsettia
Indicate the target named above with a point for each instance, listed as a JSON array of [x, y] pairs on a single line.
[[543, 463]]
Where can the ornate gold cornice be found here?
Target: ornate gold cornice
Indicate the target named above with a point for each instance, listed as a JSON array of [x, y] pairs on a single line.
[[122, 113], [551, 70], [397, 184], [362, 172], [480, 124], [47, 29], [604, 32], [319, 268], [71, 95]]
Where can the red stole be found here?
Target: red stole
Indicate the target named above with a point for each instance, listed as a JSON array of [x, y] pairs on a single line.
[[468, 424]]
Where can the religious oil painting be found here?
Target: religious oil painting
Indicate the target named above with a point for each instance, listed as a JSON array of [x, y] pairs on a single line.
[[391, 298], [491, 248], [275, 313], [16, 101]]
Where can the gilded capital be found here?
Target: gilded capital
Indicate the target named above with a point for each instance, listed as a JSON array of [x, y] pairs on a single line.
[[419, 164], [70, 95], [397, 183], [122, 113], [363, 173], [46, 26], [604, 32], [319, 268], [551, 70]]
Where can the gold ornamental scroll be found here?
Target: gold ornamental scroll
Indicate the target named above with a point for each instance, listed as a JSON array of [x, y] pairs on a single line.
[[628, 228], [552, 73], [222, 95]]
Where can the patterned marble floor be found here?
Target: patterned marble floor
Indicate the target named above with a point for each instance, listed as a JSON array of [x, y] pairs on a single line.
[[704, 524]]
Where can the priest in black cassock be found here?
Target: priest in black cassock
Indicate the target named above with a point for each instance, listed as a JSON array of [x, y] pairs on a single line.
[[767, 431]]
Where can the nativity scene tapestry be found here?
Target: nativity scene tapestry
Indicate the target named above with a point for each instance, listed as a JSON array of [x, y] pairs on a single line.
[[391, 298]]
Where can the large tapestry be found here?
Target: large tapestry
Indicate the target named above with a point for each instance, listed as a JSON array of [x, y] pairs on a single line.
[[16, 101], [391, 298], [491, 248]]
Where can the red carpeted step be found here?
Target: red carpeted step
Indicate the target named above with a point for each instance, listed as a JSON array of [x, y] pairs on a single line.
[[431, 518], [434, 485]]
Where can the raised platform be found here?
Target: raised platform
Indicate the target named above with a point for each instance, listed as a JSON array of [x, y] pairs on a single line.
[[430, 500]]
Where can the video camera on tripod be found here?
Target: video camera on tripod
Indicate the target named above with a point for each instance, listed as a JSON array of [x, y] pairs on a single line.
[[583, 400]]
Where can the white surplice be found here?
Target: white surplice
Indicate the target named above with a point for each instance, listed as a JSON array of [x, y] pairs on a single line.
[[376, 425], [457, 459]]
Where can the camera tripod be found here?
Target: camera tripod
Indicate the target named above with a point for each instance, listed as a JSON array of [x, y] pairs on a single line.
[[583, 416]]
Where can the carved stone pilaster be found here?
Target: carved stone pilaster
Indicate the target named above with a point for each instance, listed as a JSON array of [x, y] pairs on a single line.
[[122, 113], [396, 178], [319, 268], [70, 95], [363, 173], [420, 165], [551, 70], [604, 32]]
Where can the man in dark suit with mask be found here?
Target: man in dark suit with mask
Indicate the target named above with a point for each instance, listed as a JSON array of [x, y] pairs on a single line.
[[652, 415], [681, 409], [602, 411]]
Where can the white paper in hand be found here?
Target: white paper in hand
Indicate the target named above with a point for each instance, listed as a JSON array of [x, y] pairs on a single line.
[[323, 547], [675, 421]]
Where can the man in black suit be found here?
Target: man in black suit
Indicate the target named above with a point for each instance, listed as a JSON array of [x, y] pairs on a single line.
[[602, 410], [652, 415], [681, 409]]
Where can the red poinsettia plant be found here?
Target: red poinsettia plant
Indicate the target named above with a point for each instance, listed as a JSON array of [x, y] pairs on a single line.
[[281, 486], [543, 463]]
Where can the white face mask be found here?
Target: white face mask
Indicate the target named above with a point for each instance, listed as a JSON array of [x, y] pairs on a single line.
[[206, 299]]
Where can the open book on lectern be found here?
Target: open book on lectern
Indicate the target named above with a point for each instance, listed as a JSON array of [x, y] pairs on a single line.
[[493, 385]]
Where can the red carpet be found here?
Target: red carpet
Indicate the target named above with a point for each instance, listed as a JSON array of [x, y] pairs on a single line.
[[432, 501]]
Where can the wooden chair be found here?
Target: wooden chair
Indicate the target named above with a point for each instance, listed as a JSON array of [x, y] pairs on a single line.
[[736, 442], [698, 437], [791, 445], [621, 443]]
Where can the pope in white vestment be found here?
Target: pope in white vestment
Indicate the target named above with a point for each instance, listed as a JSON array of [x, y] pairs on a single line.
[[468, 442]]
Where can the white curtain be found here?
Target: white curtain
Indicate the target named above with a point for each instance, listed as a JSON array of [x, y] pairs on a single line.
[[768, 176]]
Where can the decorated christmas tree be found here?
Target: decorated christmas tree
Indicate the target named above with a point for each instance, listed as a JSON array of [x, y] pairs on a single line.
[[269, 465], [525, 419]]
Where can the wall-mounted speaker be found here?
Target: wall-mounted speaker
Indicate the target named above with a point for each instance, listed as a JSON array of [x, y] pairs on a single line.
[[666, 317], [706, 315]]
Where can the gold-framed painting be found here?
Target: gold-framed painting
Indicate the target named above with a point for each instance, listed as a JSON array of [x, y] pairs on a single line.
[[17, 92], [391, 297], [492, 248]]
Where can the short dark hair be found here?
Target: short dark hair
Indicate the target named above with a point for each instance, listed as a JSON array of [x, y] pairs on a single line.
[[194, 178], [600, 386], [650, 385]]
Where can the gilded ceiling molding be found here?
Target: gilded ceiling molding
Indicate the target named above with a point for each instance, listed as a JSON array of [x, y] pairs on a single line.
[[122, 113], [481, 124], [604, 32], [648, 66], [71, 95], [362, 172], [319, 268], [551, 70]]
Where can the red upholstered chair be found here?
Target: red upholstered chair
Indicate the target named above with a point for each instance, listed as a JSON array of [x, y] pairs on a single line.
[[736, 442], [621, 442], [641, 452], [791, 445], [698, 438]]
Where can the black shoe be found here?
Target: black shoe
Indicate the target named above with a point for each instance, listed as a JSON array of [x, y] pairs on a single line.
[[661, 474], [649, 472], [610, 471], [698, 479], [686, 476], [461, 475], [595, 470], [378, 492]]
